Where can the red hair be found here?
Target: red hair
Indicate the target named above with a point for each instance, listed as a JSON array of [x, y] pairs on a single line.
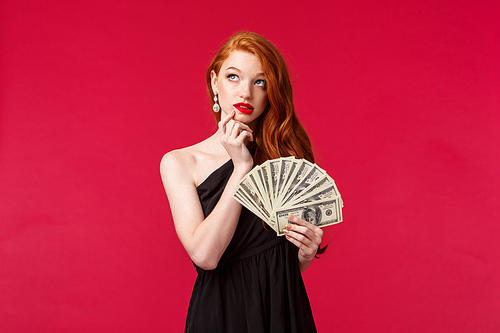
[[279, 132]]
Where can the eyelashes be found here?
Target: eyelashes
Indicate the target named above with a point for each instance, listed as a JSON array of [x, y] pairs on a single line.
[[261, 83], [234, 78]]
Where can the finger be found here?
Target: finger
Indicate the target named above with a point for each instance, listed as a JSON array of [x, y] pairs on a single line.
[[295, 242], [232, 131], [299, 238], [229, 128], [224, 121], [312, 239], [244, 126], [307, 249], [235, 130], [299, 224], [248, 137], [297, 229], [241, 127], [309, 230], [244, 137], [298, 220], [303, 223], [238, 128]]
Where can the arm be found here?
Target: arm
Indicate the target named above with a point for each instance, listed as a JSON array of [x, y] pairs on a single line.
[[206, 239], [307, 237]]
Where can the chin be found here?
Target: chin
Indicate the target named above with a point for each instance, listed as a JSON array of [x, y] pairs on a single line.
[[244, 118]]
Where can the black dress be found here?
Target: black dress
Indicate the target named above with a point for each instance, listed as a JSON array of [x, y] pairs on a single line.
[[257, 285]]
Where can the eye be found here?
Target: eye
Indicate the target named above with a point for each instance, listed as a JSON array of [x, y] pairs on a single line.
[[232, 77], [260, 83]]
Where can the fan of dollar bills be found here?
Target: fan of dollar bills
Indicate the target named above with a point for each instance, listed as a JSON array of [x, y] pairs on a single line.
[[286, 185]]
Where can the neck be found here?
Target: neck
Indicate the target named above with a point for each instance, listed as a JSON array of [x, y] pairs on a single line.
[[253, 125]]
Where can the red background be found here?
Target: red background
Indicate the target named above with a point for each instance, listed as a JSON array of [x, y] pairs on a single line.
[[401, 102]]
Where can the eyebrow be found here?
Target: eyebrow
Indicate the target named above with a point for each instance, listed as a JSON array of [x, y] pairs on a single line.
[[239, 70], [235, 68]]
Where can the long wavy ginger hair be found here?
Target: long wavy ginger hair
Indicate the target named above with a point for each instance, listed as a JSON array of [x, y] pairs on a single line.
[[279, 131]]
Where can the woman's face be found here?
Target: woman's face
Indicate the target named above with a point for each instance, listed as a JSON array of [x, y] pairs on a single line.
[[241, 86]]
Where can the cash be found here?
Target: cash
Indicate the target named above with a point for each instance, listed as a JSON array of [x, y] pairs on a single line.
[[289, 186]]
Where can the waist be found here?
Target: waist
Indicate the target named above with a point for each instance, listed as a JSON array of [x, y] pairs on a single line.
[[254, 251]]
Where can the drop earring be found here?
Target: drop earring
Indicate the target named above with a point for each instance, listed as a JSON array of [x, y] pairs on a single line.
[[216, 106]]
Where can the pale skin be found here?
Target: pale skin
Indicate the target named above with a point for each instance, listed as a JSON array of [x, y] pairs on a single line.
[[205, 239]]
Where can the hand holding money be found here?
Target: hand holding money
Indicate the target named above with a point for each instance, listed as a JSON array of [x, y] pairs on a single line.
[[289, 186]]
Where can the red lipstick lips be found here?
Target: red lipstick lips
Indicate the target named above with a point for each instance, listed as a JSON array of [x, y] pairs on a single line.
[[244, 108]]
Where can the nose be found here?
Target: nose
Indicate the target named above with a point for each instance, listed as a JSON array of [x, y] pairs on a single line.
[[245, 91]]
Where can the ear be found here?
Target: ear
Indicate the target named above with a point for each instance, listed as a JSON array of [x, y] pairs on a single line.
[[213, 78]]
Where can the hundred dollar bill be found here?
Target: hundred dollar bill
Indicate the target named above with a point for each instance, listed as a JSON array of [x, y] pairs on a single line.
[[266, 177], [274, 169], [285, 165], [243, 199], [302, 171], [253, 177], [289, 176], [317, 196], [320, 213], [287, 186], [322, 188], [313, 175], [249, 204], [262, 178], [246, 187]]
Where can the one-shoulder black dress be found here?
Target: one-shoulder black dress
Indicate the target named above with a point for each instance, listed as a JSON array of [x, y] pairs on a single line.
[[257, 285]]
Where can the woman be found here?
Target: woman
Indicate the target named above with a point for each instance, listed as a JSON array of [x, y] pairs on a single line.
[[249, 280]]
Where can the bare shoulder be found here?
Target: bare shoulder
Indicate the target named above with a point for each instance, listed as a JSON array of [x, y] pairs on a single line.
[[177, 164], [191, 164]]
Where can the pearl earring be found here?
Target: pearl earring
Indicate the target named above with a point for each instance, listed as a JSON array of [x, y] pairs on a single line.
[[216, 106]]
